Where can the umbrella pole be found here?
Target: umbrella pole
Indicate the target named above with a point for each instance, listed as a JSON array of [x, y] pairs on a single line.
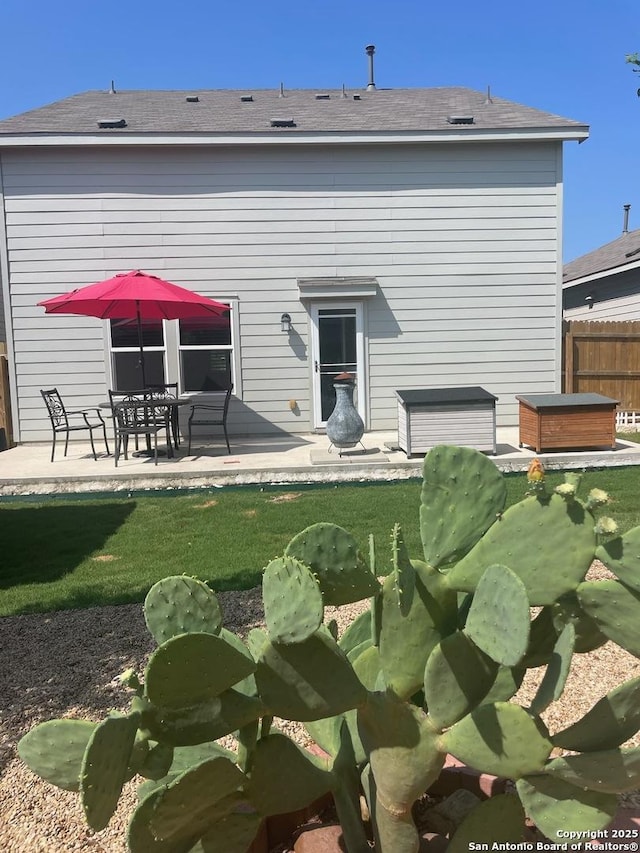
[[140, 344]]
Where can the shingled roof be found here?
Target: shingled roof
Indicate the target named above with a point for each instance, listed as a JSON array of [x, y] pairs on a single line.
[[297, 112], [618, 253]]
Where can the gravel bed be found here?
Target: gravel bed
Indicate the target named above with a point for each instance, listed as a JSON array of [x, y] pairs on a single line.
[[67, 663]]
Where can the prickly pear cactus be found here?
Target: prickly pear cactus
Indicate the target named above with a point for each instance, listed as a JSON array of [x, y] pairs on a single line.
[[430, 668]]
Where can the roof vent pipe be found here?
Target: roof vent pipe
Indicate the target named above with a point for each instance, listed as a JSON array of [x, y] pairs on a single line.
[[625, 224], [371, 49]]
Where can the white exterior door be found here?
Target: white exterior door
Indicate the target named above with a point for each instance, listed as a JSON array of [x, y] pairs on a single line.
[[337, 345]]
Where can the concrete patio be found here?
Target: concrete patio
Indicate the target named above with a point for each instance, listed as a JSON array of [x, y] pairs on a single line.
[[27, 469]]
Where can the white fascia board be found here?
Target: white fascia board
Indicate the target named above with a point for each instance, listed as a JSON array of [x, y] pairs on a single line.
[[634, 265], [320, 138]]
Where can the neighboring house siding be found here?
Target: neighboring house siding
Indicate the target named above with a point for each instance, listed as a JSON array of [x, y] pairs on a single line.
[[462, 239], [616, 297]]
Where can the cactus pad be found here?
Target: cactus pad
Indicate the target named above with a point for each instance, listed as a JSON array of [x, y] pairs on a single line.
[[358, 632], [104, 768], [187, 805], [498, 620], [233, 833], [293, 606], [462, 495], [140, 838], [614, 770], [506, 684], [456, 678], [309, 680], [555, 805], [555, 677], [157, 762], [556, 526], [326, 733], [542, 639], [407, 641], [302, 778], [616, 610], [501, 739], [612, 720], [191, 668], [403, 747], [54, 750], [332, 554], [568, 610], [497, 820], [208, 721], [622, 556], [181, 605], [403, 571], [366, 664]]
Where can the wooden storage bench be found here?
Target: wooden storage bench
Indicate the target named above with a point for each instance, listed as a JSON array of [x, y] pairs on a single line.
[[567, 421], [432, 416]]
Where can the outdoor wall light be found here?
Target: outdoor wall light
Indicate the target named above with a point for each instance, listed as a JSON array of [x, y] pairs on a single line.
[[285, 323]]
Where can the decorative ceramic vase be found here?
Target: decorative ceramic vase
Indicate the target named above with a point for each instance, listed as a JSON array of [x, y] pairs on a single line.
[[344, 426]]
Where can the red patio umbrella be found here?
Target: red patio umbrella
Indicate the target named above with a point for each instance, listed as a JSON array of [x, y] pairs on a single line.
[[138, 296]]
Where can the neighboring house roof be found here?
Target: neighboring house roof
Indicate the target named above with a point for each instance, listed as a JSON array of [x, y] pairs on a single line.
[[211, 112], [619, 255]]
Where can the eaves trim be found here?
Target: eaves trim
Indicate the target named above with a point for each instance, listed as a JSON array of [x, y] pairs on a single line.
[[596, 276], [559, 134]]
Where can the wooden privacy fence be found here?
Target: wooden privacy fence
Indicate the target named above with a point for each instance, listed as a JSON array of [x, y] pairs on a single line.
[[6, 431], [603, 357]]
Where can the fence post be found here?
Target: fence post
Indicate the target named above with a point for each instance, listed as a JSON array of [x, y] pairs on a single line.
[[568, 357], [6, 429]]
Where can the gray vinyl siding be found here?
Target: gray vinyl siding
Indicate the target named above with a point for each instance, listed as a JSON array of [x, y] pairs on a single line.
[[463, 240], [616, 297]]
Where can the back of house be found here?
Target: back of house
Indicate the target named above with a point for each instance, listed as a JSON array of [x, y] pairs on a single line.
[[411, 237]]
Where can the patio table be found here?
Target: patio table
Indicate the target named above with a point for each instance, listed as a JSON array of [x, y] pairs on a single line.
[[168, 403]]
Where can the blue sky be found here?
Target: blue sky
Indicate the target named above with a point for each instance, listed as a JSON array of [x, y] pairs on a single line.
[[561, 56]]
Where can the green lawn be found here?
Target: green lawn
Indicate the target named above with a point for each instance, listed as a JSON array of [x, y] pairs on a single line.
[[70, 553]]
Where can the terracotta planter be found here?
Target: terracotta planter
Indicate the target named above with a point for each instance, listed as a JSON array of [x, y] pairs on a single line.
[[305, 831]]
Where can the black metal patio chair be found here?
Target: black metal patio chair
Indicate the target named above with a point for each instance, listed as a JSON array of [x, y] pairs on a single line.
[[211, 413], [164, 391], [133, 416], [65, 421]]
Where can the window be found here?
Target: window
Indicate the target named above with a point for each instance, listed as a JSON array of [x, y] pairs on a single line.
[[126, 357], [205, 347]]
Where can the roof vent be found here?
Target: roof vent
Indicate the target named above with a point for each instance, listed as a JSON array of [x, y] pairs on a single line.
[[357, 98], [460, 119], [323, 97], [246, 99], [282, 122], [370, 50], [192, 99], [112, 122]]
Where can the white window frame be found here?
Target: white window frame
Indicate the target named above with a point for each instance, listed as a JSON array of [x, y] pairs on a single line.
[[232, 348], [362, 383], [171, 358], [112, 351]]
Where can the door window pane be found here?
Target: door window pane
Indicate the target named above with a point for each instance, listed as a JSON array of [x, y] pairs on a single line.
[[337, 334]]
